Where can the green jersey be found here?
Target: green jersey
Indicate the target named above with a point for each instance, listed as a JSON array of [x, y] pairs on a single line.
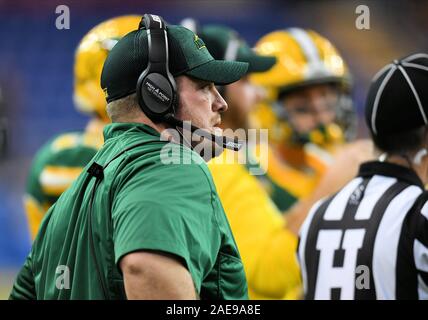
[[55, 166], [155, 196]]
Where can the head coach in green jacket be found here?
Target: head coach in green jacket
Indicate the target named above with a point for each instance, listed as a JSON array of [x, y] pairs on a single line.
[[132, 225]]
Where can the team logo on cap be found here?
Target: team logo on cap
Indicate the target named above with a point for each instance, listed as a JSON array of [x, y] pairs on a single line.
[[198, 41]]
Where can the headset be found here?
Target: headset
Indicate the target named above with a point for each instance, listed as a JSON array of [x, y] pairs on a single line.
[[156, 87]]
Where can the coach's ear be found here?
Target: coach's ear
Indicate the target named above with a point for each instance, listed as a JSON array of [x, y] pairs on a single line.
[[154, 275]]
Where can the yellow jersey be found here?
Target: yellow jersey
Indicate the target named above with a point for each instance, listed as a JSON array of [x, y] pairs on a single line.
[[267, 248]]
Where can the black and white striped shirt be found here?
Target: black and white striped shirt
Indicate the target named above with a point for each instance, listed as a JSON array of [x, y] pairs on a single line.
[[370, 240]]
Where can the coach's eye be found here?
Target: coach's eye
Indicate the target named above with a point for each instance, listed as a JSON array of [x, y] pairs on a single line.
[[206, 85]]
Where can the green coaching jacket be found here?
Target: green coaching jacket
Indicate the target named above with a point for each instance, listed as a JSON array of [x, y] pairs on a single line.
[[156, 196]]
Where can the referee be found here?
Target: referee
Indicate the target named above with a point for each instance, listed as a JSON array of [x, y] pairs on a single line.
[[370, 240]]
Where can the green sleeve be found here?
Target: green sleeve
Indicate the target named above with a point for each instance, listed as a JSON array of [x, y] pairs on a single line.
[[24, 287], [168, 208], [76, 156]]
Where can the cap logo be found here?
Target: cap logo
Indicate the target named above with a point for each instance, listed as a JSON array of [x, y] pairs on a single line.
[[198, 42]]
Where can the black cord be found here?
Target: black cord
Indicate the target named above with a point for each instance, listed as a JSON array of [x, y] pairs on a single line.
[[97, 171], [101, 278], [185, 141]]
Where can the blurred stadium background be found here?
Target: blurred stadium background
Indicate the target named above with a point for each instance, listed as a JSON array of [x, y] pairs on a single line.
[[36, 63]]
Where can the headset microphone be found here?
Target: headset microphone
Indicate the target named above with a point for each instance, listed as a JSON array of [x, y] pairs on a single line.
[[223, 141]]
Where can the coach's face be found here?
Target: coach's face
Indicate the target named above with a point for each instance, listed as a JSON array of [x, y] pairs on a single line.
[[202, 104]]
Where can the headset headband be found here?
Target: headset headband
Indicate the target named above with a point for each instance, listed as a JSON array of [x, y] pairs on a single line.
[[157, 43], [156, 88]]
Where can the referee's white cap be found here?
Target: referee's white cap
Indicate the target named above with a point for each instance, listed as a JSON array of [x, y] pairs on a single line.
[[398, 96]]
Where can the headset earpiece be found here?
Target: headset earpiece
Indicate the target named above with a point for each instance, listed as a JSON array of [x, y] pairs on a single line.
[[156, 88]]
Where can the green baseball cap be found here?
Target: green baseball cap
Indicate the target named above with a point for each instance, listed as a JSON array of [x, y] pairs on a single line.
[[225, 44], [188, 55]]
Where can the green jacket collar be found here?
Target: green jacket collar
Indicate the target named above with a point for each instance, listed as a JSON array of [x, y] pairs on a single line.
[[115, 129]]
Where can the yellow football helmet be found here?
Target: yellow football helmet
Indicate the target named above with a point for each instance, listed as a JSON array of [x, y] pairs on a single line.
[[89, 59], [303, 58]]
